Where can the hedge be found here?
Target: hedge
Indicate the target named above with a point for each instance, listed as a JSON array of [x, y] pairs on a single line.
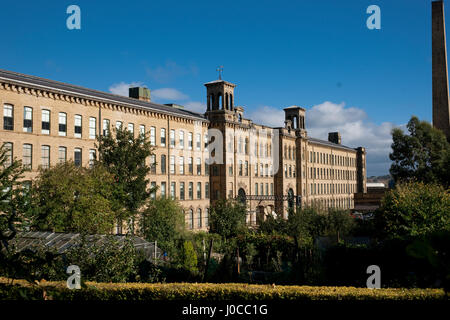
[[20, 289]]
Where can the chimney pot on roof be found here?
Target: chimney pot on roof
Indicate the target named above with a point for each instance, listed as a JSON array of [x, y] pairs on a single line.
[[334, 137], [139, 93]]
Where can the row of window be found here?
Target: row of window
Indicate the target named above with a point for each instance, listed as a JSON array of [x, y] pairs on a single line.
[[325, 173], [182, 190], [27, 155], [326, 158], [8, 122], [265, 150], [331, 188], [200, 221], [261, 190], [243, 168], [181, 165], [289, 153], [342, 203]]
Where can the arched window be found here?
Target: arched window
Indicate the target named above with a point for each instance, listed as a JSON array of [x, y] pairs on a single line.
[[241, 195], [291, 199], [226, 101], [199, 217], [221, 107], [231, 102]]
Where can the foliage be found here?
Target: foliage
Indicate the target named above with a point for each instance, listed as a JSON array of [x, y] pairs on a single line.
[[189, 257], [107, 261], [163, 221], [68, 198], [227, 218], [414, 209], [339, 223], [435, 249], [211, 292], [423, 155], [126, 157]]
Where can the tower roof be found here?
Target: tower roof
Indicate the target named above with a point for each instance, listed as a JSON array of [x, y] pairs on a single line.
[[220, 81]]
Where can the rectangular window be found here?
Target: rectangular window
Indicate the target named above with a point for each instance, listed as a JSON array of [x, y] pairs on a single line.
[[172, 190], [205, 141], [153, 136], [142, 130], [27, 158], [199, 166], [191, 190], [206, 169], [163, 164], [27, 119], [191, 165], [92, 157], [153, 164], [45, 121], [163, 189], [181, 163], [262, 189], [181, 190], [78, 126], [172, 138], [198, 141], [163, 137], [77, 157], [8, 117], [92, 127], [199, 190], [206, 190], [153, 193], [190, 140], [62, 124], [9, 154], [172, 164], [105, 127], [181, 136], [267, 189], [62, 154], [131, 128], [246, 168], [119, 125], [271, 189], [240, 167], [256, 189], [45, 157]]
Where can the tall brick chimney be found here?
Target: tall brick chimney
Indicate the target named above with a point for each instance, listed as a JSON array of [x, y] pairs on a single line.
[[139, 93]]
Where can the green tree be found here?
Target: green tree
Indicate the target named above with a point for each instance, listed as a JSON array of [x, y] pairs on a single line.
[[126, 157], [189, 257], [423, 154], [11, 197], [227, 218], [414, 209], [163, 221], [339, 223], [68, 198], [305, 225]]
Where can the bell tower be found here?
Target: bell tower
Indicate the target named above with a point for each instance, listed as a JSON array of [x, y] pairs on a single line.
[[219, 95]]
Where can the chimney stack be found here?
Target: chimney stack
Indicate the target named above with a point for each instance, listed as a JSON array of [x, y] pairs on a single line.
[[334, 137], [139, 93]]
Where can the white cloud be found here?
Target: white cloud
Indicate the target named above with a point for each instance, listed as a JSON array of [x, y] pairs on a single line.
[[122, 87], [195, 106], [355, 128], [168, 94], [268, 115]]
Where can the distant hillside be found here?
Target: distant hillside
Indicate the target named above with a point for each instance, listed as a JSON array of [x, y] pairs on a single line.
[[382, 179]]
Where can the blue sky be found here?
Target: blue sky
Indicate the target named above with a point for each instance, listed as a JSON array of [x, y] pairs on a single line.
[[316, 54]]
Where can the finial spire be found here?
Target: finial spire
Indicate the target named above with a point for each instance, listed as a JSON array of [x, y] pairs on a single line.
[[220, 70]]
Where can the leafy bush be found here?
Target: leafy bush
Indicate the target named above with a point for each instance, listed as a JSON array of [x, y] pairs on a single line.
[[210, 292], [414, 209]]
